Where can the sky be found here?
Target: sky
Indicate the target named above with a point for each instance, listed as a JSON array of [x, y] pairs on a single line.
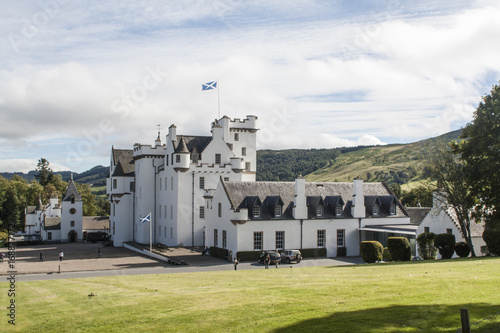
[[78, 77]]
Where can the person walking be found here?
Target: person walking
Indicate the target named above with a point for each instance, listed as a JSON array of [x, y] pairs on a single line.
[[41, 256], [236, 264], [99, 252], [267, 259], [61, 255]]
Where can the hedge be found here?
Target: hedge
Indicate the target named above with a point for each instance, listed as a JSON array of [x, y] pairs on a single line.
[[386, 254], [371, 251], [445, 244], [306, 253], [426, 248], [218, 252], [399, 247], [462, 249], [341, 252], [491, 236]]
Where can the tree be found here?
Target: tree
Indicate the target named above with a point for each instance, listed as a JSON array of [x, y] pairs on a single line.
[[448, 171], [44, 172], [480, 152]]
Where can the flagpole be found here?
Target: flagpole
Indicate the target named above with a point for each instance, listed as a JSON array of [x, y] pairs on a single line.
[[150, 236], [218, 96]]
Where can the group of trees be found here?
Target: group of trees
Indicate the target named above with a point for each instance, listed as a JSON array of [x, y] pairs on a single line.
[[467, 173], [17, 193]]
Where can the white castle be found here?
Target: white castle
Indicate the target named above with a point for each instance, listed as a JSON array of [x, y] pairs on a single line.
[[171, 180]]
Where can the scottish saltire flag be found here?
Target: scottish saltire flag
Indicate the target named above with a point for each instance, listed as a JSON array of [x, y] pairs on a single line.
[[146, 218], [209, 85]]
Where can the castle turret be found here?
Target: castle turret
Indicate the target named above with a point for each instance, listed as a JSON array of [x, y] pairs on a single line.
[[181, 157]]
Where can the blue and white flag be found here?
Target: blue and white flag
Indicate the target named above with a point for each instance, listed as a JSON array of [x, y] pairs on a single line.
[[209, 85], [146, 218]]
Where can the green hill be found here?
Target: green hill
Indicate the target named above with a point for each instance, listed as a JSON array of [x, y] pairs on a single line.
[[396, 163]]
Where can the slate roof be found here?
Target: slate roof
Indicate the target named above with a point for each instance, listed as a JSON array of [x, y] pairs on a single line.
[[417, 214], [241, 194], [52, 223], [95, 223], [199, 143], [181, 147], [30, 209], [124, 162], [71, 191]]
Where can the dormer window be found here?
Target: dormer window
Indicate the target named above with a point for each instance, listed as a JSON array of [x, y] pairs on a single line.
[[338, 210], [393, 209], [277, 211], [375, 209], [217, 159], [319, 210], [195, 158], [256, 211]]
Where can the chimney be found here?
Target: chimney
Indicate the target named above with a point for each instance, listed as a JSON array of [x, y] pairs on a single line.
[[358, 199], [172, 133], [299, 200]]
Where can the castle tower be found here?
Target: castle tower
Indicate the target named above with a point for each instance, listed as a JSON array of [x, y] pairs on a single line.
[[71, 214]]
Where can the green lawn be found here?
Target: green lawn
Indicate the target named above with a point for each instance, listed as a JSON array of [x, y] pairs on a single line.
[[398, 297]]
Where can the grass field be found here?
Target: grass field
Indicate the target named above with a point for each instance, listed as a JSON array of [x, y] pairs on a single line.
[[398, 297]]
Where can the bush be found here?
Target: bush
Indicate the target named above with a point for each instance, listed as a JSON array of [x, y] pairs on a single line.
[[371, 251], [386, 254], [426, 248], [218, 252], [254, 255], [313, 253], [491, 236], [462, 249], [484, 250], [341, 252], [445, 244], [399, 247]]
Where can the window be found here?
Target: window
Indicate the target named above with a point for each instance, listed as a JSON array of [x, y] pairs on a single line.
[[224, 239], [202, 183], [49, 236], [159, 230], [166, 183], [195, 158], [172, 183], [177, 158], [159, 212], [243, 151], [321, 238], [217, 159], [256, 211], [216, 237], [165, 231], [220, 209], [375, 209], [226, 179], [280, 240], [73, 200], [171, 232], [257, 240], [202, 212], [171, 212], [72, 211], [247, 166], [132, 186], [340, 238], [115, 184], [160, 184], [72, 223], [277, 211], [393, 209], [449, 231], [114, 224], [165, 212], [338, 210], [427, 229], [319, 210], [236, 136]]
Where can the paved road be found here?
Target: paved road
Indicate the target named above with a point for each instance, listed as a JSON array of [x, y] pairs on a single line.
[[80, 261]]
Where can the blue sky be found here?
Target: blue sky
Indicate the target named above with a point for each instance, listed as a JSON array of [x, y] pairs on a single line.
[[77, 77]]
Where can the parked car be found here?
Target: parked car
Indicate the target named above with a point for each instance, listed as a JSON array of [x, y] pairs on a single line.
[[274, 257], [287, 256]]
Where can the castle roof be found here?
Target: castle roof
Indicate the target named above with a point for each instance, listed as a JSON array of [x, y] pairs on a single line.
[[52, 223], [71, 192], [123, 160], [197, 143], [95, 222], [241, 194]]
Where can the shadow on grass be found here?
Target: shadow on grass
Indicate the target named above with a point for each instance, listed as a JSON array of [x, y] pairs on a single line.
[[418, 262], [401, 318]]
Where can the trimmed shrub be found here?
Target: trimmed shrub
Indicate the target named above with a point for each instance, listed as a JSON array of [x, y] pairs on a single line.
[[445, 243], [491, 236], [462, 249], [371, 251], [313, 253], [218, 252], [254, 255], [426, 248], [399, 247], [341, 252], [387, 254]]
